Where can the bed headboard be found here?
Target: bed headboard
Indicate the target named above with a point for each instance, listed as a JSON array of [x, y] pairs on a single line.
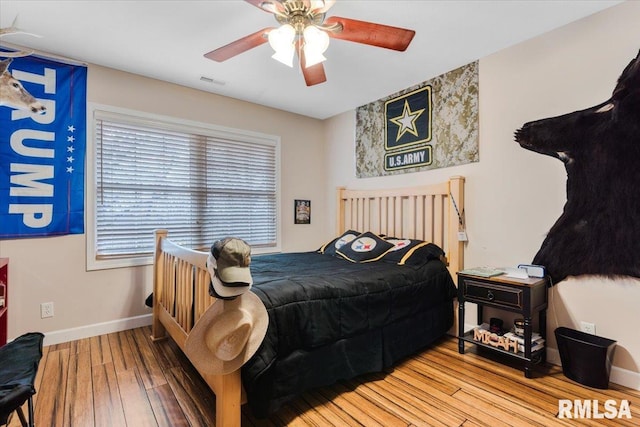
[[431, 212]]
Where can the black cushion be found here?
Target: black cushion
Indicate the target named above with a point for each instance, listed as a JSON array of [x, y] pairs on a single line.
[[19, 360]]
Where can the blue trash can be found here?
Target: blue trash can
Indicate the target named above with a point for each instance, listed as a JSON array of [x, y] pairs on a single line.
[[586, 358]]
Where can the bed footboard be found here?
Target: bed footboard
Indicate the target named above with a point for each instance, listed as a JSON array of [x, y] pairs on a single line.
[[180, 298]]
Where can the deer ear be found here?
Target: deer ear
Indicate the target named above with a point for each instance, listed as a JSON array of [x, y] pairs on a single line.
[[4, 65]]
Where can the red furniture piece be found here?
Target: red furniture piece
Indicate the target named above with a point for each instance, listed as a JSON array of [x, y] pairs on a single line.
[[4, 281]]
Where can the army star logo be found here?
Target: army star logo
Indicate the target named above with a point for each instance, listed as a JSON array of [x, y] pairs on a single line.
[[407, 121]]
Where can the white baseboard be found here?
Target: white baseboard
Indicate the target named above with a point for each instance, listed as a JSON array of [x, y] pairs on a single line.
[[619, 376], [65, 335], [625, 377]]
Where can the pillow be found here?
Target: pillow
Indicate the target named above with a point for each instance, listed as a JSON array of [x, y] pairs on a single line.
[[412, 252], [329, 248], [366, 247]]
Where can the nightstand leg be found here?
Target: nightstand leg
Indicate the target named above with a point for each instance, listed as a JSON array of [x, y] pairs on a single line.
[[527, 346], [542, 320], [460, 326]]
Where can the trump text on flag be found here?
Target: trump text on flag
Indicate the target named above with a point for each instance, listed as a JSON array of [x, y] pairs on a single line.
[[42, 153]]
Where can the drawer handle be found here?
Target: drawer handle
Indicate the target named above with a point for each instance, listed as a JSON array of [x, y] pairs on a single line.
[[491, 296]]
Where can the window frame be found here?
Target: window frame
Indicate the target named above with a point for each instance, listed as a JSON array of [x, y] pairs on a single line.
[[98, 112]]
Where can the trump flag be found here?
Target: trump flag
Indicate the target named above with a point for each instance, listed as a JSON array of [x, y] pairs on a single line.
[[42, 147]]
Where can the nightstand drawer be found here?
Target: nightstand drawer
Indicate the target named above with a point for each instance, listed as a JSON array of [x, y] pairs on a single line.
[[487, 293]]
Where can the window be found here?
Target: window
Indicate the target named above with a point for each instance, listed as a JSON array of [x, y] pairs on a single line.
[[198, 181]]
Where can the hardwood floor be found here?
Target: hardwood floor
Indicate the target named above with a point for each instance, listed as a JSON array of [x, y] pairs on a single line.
[[122, 379]]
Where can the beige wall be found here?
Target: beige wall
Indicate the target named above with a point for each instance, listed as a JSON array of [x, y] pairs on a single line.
[[514, 196], [53, 269]]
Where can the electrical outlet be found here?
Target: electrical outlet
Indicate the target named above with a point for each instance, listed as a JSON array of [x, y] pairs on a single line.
[[46, 310], [589, 328]]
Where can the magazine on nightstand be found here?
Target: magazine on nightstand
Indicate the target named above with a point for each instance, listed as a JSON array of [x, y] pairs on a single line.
[[483, 271]]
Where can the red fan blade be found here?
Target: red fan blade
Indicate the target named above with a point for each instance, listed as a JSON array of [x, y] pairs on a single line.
[[239, 46], [369, 33], [314, 74]]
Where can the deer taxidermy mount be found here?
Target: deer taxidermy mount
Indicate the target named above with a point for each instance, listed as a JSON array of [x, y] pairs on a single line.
[[13, 29], [305, 30], [12, 93]]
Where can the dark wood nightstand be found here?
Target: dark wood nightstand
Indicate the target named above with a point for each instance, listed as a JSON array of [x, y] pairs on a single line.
[[523, 296]]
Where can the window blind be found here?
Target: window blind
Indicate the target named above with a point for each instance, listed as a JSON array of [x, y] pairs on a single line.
[[200, 187]]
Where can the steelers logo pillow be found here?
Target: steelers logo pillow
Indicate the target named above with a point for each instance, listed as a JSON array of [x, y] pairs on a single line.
[[330, 248], [365, 248], [412, 252]]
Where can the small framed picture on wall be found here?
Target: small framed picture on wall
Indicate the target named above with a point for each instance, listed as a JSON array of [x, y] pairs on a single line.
[[302, 211]]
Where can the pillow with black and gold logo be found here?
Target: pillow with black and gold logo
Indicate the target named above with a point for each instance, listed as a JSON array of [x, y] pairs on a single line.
[[412, 252], [366, 247], [330, 247]]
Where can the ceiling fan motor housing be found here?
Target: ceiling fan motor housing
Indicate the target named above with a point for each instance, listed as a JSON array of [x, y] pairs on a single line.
[[299, 15]]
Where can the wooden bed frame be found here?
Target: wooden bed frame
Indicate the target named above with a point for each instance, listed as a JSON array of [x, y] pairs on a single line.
[[181, 282]]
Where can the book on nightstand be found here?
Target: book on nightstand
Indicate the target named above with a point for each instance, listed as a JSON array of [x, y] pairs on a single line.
[[537, 342], [483, 271]]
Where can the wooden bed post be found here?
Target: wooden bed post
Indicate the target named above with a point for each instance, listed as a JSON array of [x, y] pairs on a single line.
[[456, 247], [228, 391], [456, 212], [157, 330], [340, 223]]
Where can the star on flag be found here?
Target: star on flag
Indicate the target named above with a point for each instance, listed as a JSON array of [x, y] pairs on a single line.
[[407, 121], [70, 139]]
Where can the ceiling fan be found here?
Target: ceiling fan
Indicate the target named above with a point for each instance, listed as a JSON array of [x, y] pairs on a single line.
[[305, 31]]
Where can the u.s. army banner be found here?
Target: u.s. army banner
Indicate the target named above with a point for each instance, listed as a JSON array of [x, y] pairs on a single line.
[[42, 147], [431, 125]]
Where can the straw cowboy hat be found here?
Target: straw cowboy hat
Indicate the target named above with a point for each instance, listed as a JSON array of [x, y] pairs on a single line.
[[227, 334]]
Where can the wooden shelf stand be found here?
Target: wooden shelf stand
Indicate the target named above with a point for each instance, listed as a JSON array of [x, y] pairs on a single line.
[[523, 296]]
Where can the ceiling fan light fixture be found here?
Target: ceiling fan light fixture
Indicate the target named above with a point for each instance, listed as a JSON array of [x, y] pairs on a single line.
[[316, 42], [285, 57], [312, 58], [281, 40]]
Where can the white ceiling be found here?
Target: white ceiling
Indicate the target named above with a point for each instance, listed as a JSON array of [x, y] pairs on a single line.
[[166, 40]]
